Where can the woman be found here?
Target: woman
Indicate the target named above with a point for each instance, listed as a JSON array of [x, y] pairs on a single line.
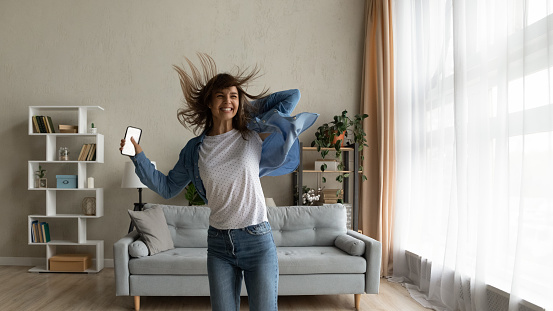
[[239, 142]]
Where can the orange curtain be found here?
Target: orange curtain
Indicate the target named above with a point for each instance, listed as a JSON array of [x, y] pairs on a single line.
[[377, 100]]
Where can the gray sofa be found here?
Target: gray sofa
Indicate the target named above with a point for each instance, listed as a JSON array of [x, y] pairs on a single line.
[[313, 246]]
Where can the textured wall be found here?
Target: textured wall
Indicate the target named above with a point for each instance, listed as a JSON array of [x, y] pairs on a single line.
[[118, 55]]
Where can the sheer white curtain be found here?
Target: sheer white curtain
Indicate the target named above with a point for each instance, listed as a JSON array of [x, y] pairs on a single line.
[[474, 139]]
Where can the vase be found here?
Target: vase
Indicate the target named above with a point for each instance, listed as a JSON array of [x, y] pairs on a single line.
[[89, 206]]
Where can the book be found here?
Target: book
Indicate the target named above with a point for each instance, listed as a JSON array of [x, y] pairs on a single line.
[[81, 154], [45, 231], [333, 191], [40, 236], [51, 125], [94, 154], [36, 234], [46, 126], [326, 198], [84, 152], [87, 151], [41, 125], [34, 226], [35, 125], [332, 194], [91, 153], [68, 128]]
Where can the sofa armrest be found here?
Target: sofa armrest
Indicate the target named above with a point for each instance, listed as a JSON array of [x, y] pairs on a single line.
[[373, 256], [121, 263]]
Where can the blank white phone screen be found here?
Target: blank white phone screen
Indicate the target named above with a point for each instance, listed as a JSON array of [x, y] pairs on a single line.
[[134, 132]]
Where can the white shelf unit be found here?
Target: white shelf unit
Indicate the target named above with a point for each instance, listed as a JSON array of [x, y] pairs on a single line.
[[354, 178], [79, 115]]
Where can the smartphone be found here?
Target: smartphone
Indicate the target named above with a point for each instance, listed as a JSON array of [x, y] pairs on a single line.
[[135, 133]]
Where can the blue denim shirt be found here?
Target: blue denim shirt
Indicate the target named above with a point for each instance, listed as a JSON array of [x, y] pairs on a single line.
[[279, 152]]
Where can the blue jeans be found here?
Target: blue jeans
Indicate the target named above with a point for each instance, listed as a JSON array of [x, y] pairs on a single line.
[[248, 253]]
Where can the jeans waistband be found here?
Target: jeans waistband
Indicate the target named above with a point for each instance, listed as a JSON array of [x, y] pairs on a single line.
[[264, 224]]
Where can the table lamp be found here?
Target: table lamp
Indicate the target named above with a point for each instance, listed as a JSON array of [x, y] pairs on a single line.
[[131, 180], [269, 202]]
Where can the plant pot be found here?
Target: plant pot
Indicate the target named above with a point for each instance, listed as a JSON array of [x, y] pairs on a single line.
[[339, 137], [41, 183]]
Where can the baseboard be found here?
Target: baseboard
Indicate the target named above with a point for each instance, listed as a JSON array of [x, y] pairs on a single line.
[[36, 261], [22, 261]]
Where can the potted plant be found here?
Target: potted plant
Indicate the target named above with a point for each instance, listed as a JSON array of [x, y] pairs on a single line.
[[41, 181], [192, 195], [328, 136]]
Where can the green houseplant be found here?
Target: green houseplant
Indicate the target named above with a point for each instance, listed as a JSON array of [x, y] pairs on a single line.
[[328, 137], [192, 195]]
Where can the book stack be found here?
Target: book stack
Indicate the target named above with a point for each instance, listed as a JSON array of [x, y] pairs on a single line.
[[40, 232], [330, 196], [68, 128], [88, 153], [43, 124]]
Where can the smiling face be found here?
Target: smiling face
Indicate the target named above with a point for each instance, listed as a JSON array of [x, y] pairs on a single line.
[[224, 105]]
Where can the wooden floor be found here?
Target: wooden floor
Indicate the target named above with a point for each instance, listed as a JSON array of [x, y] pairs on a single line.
[[21, 290]]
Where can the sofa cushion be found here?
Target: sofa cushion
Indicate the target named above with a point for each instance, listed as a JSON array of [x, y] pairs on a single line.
[[350, 245], [187, 224], [318, 259], [178, 261], [307, 225], [291, 260], [152, 227]]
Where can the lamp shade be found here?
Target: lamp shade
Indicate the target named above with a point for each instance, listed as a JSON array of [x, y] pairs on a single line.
[[269, 202], [130, 179]]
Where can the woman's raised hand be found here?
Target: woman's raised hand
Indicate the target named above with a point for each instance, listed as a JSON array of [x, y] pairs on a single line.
[[137, 147]]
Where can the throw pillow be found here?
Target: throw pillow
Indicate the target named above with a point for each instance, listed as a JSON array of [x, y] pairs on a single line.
[[152, 227], [138, 249], [350, 245]]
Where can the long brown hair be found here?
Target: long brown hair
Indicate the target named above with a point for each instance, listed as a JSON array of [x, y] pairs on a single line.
[[198, 88]]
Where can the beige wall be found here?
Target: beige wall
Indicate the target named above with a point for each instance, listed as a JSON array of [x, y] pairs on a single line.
[[118, 55]]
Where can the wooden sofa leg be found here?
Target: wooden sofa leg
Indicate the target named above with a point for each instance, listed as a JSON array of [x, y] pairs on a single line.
[[357, 301], [137, 303]]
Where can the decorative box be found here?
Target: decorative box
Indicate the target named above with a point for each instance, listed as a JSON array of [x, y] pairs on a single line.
[[66, 181], [331, 165], [70, 262]]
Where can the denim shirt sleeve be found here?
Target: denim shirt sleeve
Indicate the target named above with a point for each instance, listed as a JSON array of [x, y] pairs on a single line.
[[186, 170], [284, 101], [168, 185], [280, 151]]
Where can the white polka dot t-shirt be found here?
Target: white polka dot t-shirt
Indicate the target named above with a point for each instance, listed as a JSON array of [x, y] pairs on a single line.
[[229, 168]]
